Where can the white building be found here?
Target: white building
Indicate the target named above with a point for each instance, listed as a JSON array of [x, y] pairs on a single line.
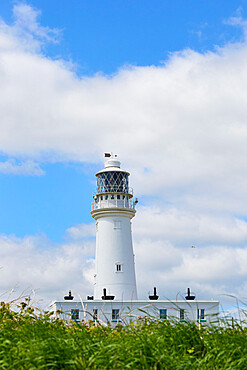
[[115, 292]]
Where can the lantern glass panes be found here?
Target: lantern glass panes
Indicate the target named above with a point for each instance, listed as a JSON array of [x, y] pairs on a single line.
[[112, 182]]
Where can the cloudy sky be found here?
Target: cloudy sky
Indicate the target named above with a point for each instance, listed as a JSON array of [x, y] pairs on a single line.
[[162, 84]]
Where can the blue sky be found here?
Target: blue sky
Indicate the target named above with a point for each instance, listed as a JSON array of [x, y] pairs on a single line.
[[162, 84], [47, 204]]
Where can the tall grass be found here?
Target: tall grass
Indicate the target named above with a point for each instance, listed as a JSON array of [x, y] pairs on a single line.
[[33, 340]]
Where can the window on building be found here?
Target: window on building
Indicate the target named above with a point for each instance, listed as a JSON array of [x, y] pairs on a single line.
[[118, 196], [123, 197], [181, 314], [201, 314], [101, 197], [115, 314], [74, 314], [119, 267], [127, 198], [95, 314], [163, 314], [112, 196], [106, 197]]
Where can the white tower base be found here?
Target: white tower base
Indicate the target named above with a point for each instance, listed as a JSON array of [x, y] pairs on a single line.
[[115, 270]]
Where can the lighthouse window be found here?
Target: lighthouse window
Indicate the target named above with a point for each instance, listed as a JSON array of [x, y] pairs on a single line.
[[123, 197], [119, 267], [163, 314], [74, 314], [115, 314], [118, 196], [106, 197], [112, 196], [101, 197], [117, 224]]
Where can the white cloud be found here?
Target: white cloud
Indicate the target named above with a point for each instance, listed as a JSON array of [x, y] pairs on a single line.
[[26, 33], [237, 20], [176, 249], [210, 272], [81, 231], [186, 229], [50, 270], [28, 167]]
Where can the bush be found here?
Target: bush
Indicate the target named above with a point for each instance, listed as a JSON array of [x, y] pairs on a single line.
[[36, 340]]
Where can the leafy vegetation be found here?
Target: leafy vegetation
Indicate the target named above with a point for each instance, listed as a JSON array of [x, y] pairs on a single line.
[[31, 340]]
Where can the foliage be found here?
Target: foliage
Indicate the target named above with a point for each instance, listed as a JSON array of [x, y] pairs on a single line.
[[31, 340]]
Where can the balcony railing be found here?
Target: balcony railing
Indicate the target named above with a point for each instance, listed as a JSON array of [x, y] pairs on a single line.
[[113, 203]]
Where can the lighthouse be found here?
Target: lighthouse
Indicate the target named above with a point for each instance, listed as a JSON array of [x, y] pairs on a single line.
[[115, 299], [113, 209]]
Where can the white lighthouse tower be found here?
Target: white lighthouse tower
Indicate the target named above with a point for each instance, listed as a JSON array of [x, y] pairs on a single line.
[[113, 210]]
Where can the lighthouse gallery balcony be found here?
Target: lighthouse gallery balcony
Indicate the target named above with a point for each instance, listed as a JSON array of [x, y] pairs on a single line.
[[112, 201]]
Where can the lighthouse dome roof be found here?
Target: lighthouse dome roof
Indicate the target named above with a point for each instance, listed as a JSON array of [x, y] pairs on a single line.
[[112, 165]]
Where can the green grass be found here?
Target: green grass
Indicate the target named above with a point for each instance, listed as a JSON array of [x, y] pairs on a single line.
[[36, 341]]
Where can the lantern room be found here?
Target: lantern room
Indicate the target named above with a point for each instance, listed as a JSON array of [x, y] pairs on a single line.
[[112, 179], [113, 187]]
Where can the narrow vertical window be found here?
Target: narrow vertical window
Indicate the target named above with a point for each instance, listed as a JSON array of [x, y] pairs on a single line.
[[181, 314], [115, 314], [118, 196], [163, 314], [201, 314], [119, 267]]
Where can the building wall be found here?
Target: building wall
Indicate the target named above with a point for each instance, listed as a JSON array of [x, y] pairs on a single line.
[[135, 310]]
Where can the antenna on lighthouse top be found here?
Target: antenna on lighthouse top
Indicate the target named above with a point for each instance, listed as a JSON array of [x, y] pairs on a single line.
[[110, 155]]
